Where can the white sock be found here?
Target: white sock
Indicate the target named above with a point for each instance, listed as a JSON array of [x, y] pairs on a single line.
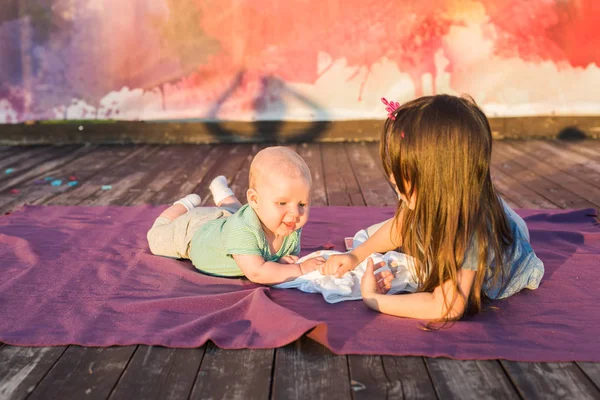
[[219, 189], [190, 201]]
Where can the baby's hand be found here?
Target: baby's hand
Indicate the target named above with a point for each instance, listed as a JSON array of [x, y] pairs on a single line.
[[312, 264], [339, 264], [288, 259]]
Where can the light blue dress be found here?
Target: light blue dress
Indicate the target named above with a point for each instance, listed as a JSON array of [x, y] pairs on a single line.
[[522, 268]]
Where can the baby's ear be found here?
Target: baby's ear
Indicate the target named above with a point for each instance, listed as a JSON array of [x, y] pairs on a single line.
[[252, 197]]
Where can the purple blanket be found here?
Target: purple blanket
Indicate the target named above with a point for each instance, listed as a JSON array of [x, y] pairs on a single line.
[[84, 275]]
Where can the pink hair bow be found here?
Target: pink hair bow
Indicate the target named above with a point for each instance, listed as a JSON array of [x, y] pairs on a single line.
[[390, 107]]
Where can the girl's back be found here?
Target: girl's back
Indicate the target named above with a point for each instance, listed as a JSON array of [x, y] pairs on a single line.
[[522, 269]]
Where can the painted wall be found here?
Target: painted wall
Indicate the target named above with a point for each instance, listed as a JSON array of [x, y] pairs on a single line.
[[293, 59]]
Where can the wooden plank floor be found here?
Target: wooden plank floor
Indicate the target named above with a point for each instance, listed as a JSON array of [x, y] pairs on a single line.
[[529, 174]]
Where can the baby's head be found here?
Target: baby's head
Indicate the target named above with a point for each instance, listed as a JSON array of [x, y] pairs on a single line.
[[280, 190]]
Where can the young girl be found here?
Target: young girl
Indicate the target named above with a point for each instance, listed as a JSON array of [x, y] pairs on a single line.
[[467, 243]]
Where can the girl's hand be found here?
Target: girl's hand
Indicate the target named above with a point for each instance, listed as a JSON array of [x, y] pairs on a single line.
[[339, 264], [372, 284], [288, 259], [312, 264]]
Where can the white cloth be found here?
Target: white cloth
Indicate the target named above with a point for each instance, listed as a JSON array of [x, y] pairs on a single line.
[[347, 287]]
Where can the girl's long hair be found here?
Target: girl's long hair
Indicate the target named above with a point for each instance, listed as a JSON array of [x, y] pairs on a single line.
[[439, 149]]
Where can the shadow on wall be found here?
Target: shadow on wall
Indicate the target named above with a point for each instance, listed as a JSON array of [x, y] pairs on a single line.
[[571, 133], [272, 91]]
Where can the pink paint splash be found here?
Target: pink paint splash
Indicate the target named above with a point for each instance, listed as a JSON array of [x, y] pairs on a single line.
[[260, 39], [284, 39]]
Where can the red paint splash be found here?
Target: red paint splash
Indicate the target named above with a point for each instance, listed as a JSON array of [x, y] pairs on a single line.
[[284, 39], [577, 32], [565, 32], [262, 38]]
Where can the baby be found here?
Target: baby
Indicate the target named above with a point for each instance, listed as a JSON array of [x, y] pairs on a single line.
[[259, 240]]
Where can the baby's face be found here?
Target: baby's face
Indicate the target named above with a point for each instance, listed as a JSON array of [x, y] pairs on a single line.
[[282, 205]]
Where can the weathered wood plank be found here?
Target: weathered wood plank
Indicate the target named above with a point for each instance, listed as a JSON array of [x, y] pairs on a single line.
[[185, 177], [8, 149], [587, 167], [516, 193], [340, 183], [14, 157], [159, 373], [43, 162], [89, 192], [81, 168], [504, 190], [21, 368], [229, 161], [469, 379], [126, 181], [311, 153], [152, 177], [374, 150], [376, 377], [239, 183], [588, 148], [544, 160], [170, 162], [84, 372], [412, 374], [307, 370], [517, 166], [372, 182], [592, 370], [555, 380], [369, 379], [234, 374]]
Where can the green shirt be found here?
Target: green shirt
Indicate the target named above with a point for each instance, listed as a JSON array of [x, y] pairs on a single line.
[[213, 245]]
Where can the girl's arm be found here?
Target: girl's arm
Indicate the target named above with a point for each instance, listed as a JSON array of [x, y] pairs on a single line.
[[422, 305], [380, 242], [271, 273]]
